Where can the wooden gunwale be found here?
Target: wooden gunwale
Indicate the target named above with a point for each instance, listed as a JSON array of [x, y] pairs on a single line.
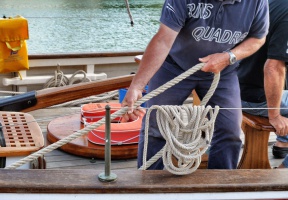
[[84, 55], [159, 181], [53, 96]]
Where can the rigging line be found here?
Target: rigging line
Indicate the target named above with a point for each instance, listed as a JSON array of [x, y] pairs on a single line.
[[37, 120], [78, 17], [75, 109], [64, 17], [146, 108], [253, 108], [79, 112]]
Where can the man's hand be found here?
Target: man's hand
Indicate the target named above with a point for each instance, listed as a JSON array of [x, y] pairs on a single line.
[[215, 62], [280, 123], [153, 57], [131, 97]]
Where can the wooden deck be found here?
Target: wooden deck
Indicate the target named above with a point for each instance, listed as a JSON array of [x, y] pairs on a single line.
[[59, 159]]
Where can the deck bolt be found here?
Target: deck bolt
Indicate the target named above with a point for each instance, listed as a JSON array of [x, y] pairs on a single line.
[[92, 160]]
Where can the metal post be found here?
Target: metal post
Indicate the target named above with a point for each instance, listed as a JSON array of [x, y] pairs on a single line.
[[107, 176]]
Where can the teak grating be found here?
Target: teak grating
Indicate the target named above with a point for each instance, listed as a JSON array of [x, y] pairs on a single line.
[[22, 134]]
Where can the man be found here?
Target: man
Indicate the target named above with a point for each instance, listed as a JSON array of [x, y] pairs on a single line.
[[262, 77], [217, 33]]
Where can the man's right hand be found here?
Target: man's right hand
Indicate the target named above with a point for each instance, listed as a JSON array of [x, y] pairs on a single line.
[[129, 100]]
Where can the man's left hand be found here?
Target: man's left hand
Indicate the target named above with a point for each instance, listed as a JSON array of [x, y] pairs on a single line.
[[215, 62], [280, 123]]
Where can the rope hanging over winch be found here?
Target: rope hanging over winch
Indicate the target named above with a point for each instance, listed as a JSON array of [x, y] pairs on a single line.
[[123, 110]]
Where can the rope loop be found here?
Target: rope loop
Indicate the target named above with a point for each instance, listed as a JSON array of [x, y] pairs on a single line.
[[188, 131], [60, 79]]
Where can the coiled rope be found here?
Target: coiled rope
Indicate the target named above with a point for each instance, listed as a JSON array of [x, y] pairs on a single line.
[[120, 112], [188, 133], [60, 79]]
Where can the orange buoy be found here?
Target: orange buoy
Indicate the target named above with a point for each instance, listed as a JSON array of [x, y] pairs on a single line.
[[92, 112], [121, 132]]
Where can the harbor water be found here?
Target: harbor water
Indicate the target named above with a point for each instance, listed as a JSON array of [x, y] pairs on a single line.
[[74, 26]]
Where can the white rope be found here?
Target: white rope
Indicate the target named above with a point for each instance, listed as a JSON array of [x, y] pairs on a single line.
[[188, 133], [118, 113], [60, 79]]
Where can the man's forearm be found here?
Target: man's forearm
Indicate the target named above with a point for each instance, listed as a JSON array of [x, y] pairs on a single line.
[[154, 55], [217, 62], [274, 78], [248, 47]]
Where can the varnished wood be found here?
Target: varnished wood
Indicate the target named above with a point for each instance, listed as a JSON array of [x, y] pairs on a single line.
[[62, 127], [255, 153], [22, 134], [257, 122], [84, 55], [137, 182], [53, 96]]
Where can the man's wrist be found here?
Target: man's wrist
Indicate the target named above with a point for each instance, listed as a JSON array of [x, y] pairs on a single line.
[[232, 57], [272, 117]]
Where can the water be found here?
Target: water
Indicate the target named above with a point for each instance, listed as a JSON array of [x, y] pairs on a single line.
[[78, 26]]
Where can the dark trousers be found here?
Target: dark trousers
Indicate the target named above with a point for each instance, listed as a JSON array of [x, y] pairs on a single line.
[[226, 143]]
